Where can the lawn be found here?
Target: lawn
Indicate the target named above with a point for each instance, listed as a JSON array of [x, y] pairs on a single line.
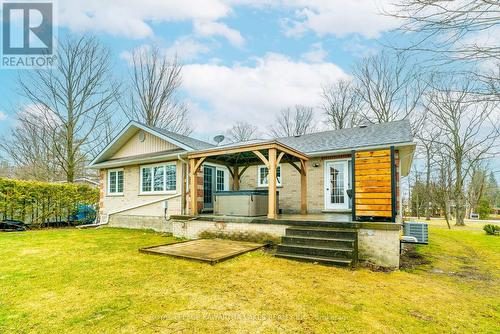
[[96, 281]]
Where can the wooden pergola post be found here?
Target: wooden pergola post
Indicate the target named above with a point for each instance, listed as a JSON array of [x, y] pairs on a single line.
[[303, 187], [271, 178], [236, 178], [194, 166]]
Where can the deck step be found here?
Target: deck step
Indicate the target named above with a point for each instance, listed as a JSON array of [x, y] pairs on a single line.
[[322, 232], [317, 241], [344, 253], [319, 259]]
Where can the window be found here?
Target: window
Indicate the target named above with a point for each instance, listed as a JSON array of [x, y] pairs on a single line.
[[158, 178], [115, 182], [221, 180], [263, 172]]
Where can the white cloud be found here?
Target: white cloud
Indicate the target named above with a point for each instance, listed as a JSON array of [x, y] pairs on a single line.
[[316, 54], [3, 116], [338, 17], [209, 28], [132, 18], [223, 95], [187, 49]]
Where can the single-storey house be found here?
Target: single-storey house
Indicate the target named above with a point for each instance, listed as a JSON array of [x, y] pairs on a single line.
[[307, 189]]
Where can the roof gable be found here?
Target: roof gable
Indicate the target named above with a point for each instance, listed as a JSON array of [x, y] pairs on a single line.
[[122, 145]]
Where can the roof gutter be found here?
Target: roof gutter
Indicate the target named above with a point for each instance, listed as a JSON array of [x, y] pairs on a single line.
[[362, 148], [135, 161]]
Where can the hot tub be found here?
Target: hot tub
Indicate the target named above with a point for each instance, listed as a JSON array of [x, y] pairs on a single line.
[[245, 203]]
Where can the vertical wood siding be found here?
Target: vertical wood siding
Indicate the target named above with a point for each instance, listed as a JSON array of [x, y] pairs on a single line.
[[151, 144]]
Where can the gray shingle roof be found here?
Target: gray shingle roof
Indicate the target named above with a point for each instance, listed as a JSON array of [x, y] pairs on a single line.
[[195, 144], [372, 135]]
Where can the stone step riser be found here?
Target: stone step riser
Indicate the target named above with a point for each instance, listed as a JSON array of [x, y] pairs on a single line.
[[322, 224], [318, 242], [322, 234], [344, 254], [324, 262]]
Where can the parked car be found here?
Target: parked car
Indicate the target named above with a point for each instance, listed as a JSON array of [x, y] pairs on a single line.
[[9, 225], [474, 216]]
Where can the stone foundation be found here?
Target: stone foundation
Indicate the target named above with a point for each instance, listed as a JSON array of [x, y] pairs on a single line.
[[191, 229], [378, 243], [379, 247], [158, 224]]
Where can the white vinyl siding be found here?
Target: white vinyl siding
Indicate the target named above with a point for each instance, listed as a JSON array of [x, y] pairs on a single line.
[[157, 179]]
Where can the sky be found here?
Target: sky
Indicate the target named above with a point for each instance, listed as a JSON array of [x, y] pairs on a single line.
[[244, 60]]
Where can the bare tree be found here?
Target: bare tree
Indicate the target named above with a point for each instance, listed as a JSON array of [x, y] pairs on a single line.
[[445, 32], [392, 88], [293, 122], [241, 131], [30, 147], [73, 99], [427, 139], [5, 168], [155, 81], [442, 187], [477, 187], [469, 131], [341, 104], [450, 28]]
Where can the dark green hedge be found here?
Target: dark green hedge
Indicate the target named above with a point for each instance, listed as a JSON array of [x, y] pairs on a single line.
[[38, 203]]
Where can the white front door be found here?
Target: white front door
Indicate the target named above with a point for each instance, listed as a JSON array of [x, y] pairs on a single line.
[[336, 185]]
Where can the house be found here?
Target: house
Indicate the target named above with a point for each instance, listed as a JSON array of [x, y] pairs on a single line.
[[341, 178]]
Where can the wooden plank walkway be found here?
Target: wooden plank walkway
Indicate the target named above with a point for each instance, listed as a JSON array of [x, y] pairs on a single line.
[[205, 250]]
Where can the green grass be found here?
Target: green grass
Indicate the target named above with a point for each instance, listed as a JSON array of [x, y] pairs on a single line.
[[96, 281]]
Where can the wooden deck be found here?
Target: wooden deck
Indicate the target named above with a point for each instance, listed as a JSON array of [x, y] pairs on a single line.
[[205, 250]]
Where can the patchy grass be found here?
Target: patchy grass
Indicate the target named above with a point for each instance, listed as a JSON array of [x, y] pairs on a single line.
[[89, 281]]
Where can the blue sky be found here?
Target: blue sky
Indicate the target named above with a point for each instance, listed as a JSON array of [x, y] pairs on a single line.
[[243, 59]]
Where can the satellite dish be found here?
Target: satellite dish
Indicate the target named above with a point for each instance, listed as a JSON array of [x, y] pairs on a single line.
[[219, 139]]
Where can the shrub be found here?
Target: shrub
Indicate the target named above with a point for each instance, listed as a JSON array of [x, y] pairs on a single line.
[[258, 237], [483, 209], [491, 229], [37, 203]]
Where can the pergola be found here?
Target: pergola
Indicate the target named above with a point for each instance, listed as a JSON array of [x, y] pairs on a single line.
[[237, 158]]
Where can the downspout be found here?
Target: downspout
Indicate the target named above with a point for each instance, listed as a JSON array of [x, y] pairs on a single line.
[[128, 208]]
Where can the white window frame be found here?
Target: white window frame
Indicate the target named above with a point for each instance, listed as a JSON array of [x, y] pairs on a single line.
[[221, 168], [327, 206], [279, 183], [116, 193], [160, 192]]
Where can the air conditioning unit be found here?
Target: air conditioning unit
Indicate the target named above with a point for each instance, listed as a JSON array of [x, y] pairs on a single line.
[[420, 231]]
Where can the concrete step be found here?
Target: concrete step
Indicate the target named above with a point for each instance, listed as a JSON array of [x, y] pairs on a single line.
[[319, 259], [319, 242], [322, 232], [343, 253]]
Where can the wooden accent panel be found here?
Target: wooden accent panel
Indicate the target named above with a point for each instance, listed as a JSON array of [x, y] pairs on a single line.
[[385, 201], [380, 165], [373, 183], [370, 171], [375, 160]]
